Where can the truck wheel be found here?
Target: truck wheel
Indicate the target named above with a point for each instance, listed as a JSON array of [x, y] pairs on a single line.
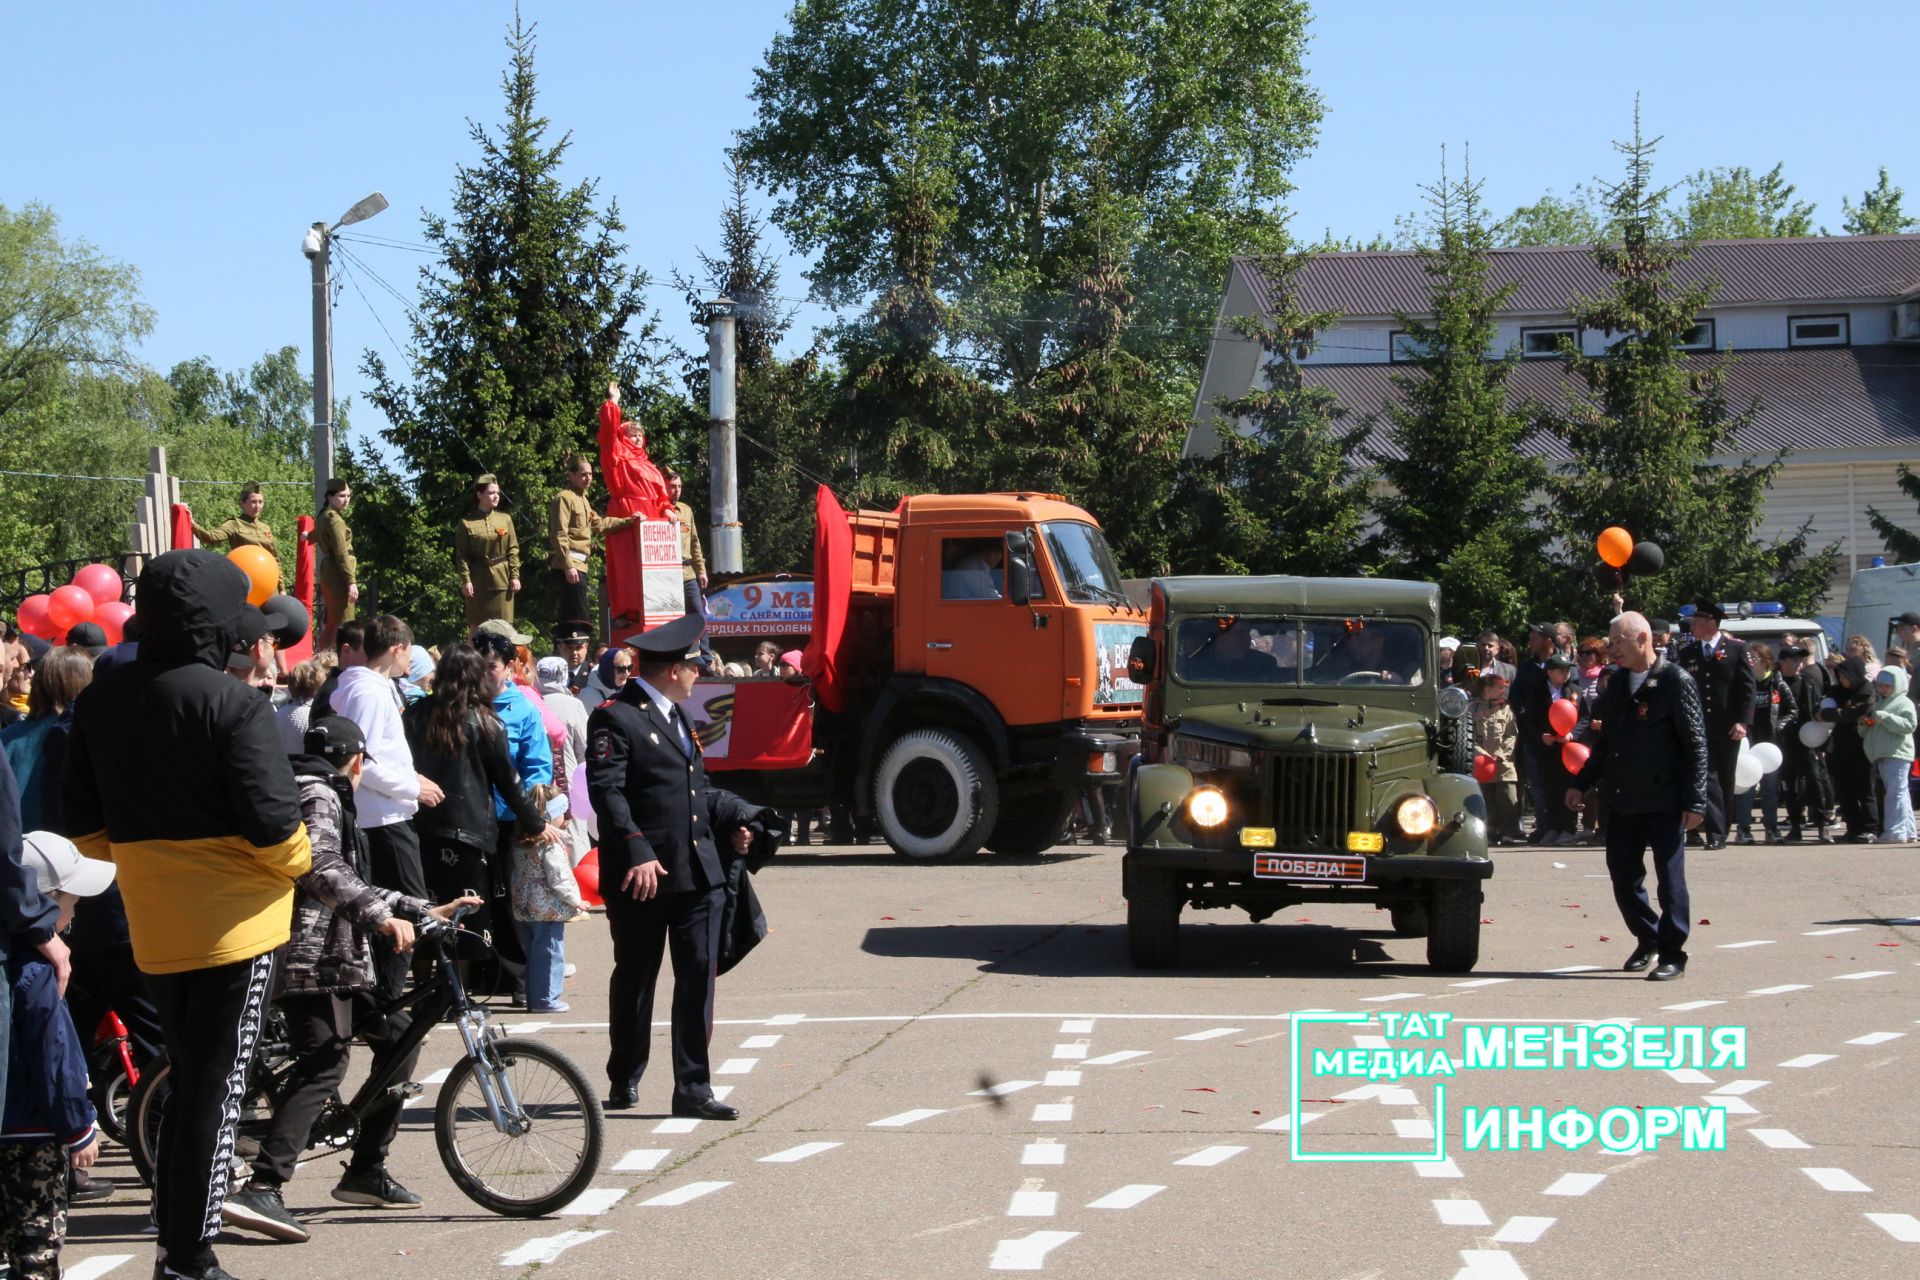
[[1453, 916], [1031, 824], [1456, 752], [1154, 899], [1409, 921], [934, 795]]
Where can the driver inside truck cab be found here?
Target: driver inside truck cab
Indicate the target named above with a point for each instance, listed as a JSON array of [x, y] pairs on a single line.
[[973, 569], [1232, 653]]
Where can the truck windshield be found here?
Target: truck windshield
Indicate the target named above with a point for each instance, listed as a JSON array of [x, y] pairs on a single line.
[[1233, 649], [1086, 566]]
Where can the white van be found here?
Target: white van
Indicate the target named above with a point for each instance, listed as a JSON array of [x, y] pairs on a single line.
[[1767, 622], [1878, 596]]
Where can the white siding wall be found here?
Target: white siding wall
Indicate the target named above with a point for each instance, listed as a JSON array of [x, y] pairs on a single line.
[[1835, 496]]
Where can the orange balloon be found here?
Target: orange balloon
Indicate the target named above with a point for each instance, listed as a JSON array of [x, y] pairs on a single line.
[[262, 569], [1615, 546]]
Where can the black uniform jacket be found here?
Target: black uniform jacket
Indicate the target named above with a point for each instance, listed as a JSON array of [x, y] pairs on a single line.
[[1651, 747], [1726, 684]]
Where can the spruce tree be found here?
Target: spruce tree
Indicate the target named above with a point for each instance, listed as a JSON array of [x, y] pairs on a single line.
[[1900, 539], [1460, 507], [1650, 430]]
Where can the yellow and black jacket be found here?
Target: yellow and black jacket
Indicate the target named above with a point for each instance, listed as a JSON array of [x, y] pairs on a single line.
[[176, 774]]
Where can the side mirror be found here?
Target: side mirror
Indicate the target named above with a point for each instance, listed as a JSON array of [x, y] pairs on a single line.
[[1143, 661], [1019, 568]]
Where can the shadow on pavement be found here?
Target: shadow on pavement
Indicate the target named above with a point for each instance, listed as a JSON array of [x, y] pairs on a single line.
[[885, 857]]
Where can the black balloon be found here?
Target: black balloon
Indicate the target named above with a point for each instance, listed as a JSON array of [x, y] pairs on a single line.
[[1609, 578], [294, 623], [1647, 557]]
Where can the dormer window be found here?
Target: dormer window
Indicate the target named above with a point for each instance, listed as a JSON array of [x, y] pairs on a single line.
[[1818, 331], [1544, 344], [1403, 347]]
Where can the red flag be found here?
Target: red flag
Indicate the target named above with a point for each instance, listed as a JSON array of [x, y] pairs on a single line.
[[183, 538], [302, 589], [832, 598]]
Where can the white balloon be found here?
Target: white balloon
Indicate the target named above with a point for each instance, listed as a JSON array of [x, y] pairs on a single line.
[[1768, 755], [1814, 733], [1747, 774]]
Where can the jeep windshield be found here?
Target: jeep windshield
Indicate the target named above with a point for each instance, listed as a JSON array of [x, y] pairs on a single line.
[[1086, 566], [1237, 649]]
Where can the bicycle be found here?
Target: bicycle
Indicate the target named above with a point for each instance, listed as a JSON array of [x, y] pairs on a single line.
[[111, 1075], [517, 1123]]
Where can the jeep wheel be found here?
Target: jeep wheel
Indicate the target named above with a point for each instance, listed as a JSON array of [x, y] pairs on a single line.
[[1456, 746], [934, 795], [1031, 824], [1154, 899], [1453, 917], [1409, 920]]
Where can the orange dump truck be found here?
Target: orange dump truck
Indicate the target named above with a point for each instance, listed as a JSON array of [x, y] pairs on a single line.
[[965, 680]]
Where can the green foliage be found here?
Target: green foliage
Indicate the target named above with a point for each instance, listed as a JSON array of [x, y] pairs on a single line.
[[1901, 539], [1552, 220], [1459, 508], [1735, 204], [1879, 212], [1287, 491], [1643, 424], [526, 315]]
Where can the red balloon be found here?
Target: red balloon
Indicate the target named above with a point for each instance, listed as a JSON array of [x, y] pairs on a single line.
[[1562, 716], [69, 606], [32, 617], [112, 617], [1574, 756], [101, 581], [587, 876], [1485, 768]]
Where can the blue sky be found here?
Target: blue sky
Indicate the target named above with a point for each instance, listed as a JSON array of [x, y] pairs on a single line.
[[197, 141]]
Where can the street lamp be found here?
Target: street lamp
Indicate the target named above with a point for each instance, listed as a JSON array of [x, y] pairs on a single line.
[[316, 246]]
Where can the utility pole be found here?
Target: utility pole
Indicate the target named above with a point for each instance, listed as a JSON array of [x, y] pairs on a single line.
[[723, 474], [317, 247]]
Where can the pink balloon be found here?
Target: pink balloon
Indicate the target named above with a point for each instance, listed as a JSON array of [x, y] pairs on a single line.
[[68, 607], [101, 581], [112, 617], [1574, 755], [32, 616]]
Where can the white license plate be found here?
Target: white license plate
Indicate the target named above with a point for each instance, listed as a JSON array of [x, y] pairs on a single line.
[[1300, 866]]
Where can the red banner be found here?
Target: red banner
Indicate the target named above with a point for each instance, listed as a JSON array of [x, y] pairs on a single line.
[[753, 724], [183, 538], [302, 590], [832, 597]]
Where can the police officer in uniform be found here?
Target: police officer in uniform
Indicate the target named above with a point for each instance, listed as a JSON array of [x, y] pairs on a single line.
[[487, 550], [572, 525], [573, 642], [245, 530], [660, 866], [333, 540], [1723, 670]]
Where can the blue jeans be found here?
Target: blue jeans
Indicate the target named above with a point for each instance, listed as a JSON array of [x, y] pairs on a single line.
[[1896, 803], [543, 941]]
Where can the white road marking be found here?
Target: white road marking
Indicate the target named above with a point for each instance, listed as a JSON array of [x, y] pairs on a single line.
[[1030, 1202], [1575, 1184], [1124, 1055], [1076, 1027], [1836, 1180], [526, 1028], [1903, 1227], [680, 1195], [785, 1019], [1870, 973], [1691, 1005], [1028, 1253], [432, 1078], [1360, 1093], [1061, 1079], [1397, 1097], [542, 1248], [1808, 1060], [1438, 1169], [1522, 1230], [1002, 1089], [801, 1152], [93, 1268], [1780, 990], [1461, 1213], [1778, 1139], [1687, 1075], [1046, 1151], [1470, 983], [760, 1042], [1877, 1037], [1070, 1052], [593, 1202], [1212, 1034], [914, 1116], [1756, 942], [1413, 1128], [677, 1124], [1489, 1264], [1211, 1156], [1731, 1105], [1052, 1112], [1126, 1197], [641, 1159], [1828, 933], [1365, 1042], [1398, 995], [1284, 1123], [1742, 1086], [736, 1066]]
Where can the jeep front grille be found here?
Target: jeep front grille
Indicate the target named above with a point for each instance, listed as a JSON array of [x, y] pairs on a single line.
[[1314, 798]]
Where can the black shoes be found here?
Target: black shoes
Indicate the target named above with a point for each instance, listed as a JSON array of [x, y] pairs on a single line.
[[260, 1208], [83, 1187], [373, 1189], [1667, 972], [708, 1108], [1642, 957], [1718, 842], [620, 1098], [212, 1271]]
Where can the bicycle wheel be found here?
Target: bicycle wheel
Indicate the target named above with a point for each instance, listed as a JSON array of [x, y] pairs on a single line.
[[530, 1173], [144, 1109], [110, 1094]]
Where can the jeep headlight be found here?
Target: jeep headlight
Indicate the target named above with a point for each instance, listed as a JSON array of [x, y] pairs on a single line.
[[1451, 702], [1416, 817], [1207, 806]]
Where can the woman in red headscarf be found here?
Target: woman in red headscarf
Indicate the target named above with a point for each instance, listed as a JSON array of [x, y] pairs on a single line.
[[635, 487]]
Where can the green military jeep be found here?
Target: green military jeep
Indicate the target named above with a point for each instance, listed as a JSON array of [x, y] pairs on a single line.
[[1299, 748]]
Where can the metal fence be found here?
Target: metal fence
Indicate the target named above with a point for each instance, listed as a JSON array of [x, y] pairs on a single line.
[[17, 584]]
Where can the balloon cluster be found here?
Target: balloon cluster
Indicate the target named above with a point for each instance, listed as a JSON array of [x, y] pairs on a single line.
[[1757, 760], [1621, 557], [92, 596]]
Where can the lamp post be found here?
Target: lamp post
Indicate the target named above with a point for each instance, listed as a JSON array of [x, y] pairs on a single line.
[[316, 247]]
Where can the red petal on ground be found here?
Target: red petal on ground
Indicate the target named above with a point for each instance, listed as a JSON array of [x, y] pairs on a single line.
[[1203, 1088]]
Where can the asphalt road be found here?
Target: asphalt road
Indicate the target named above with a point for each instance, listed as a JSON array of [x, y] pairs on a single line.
[[1141, 1124]]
